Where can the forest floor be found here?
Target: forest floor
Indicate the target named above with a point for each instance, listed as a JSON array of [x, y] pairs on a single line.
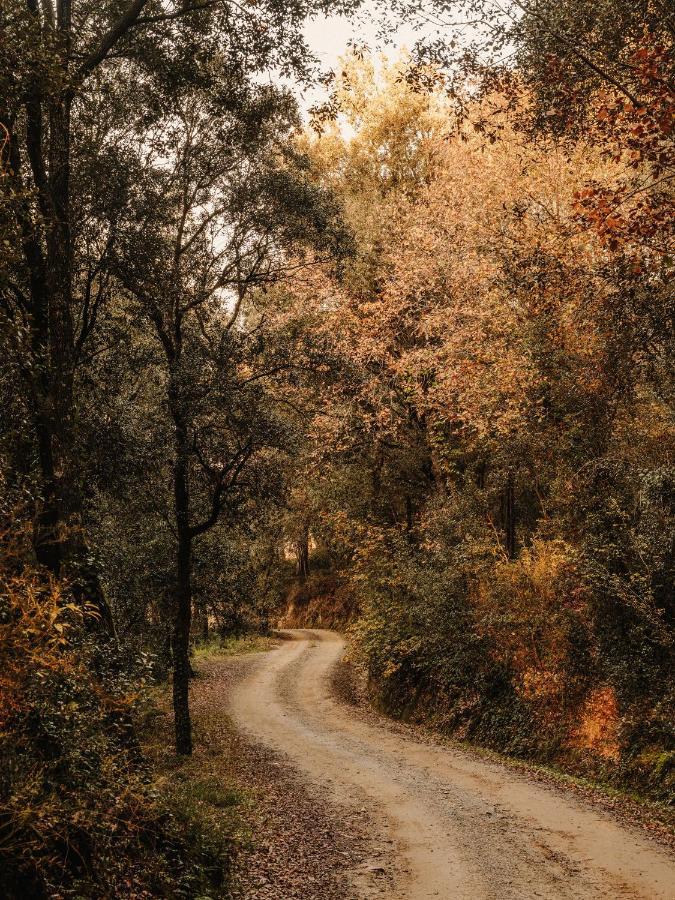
[[332, 800], [287, 841]]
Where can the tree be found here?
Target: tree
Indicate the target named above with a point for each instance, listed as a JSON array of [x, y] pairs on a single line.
[[213, 212], [60, 62], [561, 51], [502, 330]]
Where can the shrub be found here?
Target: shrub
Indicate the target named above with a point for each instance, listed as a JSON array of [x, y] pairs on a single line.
[[78, 816]]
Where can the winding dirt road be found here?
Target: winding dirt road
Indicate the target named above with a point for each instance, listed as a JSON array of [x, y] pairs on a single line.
[[452, 825]]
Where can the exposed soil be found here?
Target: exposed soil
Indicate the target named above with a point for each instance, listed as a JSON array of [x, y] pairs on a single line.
[[300, 844], [657, 820], [371, 811]]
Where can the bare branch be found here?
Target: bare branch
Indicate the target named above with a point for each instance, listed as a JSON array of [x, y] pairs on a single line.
[[124, 24], [227, 479]]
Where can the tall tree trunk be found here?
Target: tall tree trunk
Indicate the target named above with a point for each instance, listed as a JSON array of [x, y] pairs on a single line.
[[509, 516], [181, 647], [58, 534], [302, 553], [52, 338], [183, 600]]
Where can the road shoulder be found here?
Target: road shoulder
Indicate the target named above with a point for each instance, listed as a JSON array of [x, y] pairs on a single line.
[[288, 841], [652, 820]]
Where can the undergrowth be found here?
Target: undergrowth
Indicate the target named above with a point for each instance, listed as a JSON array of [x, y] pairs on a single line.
[[82, 812]]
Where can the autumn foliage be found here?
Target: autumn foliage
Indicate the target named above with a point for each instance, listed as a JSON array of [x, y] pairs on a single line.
[[77, 808], [494, 469], [406, 370]]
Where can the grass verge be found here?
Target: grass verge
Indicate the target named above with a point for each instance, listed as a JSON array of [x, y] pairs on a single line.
[[218, 647], [202, 795]]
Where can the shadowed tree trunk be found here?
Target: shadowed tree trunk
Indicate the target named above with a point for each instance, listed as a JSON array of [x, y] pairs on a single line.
[[182, 618], [302, 554], [509, 517], [181, 644], [42, 156]]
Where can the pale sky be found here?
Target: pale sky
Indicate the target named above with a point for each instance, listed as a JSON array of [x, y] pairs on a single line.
[[328, 37]]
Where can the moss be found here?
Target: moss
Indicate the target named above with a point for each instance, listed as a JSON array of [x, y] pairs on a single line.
[[234, 646], [664, 766]]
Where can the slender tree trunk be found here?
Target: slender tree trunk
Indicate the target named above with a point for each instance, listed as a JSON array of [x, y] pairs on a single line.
[[509, 517], [302, 554], [58, 534], [181, 646], [51, 320], [45, 531], [183, 600]]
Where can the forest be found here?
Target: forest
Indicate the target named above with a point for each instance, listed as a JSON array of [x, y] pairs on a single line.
[[397, 363]]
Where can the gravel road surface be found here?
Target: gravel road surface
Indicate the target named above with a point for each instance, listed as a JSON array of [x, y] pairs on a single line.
[[441, 822]]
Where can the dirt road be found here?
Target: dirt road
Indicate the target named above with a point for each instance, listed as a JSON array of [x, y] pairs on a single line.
[[445, 823]]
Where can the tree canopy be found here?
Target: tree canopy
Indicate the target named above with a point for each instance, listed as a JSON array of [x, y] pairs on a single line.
[[404, 365]]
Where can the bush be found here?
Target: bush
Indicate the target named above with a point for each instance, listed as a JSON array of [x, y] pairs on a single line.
[[550, 655], [78, 816]]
